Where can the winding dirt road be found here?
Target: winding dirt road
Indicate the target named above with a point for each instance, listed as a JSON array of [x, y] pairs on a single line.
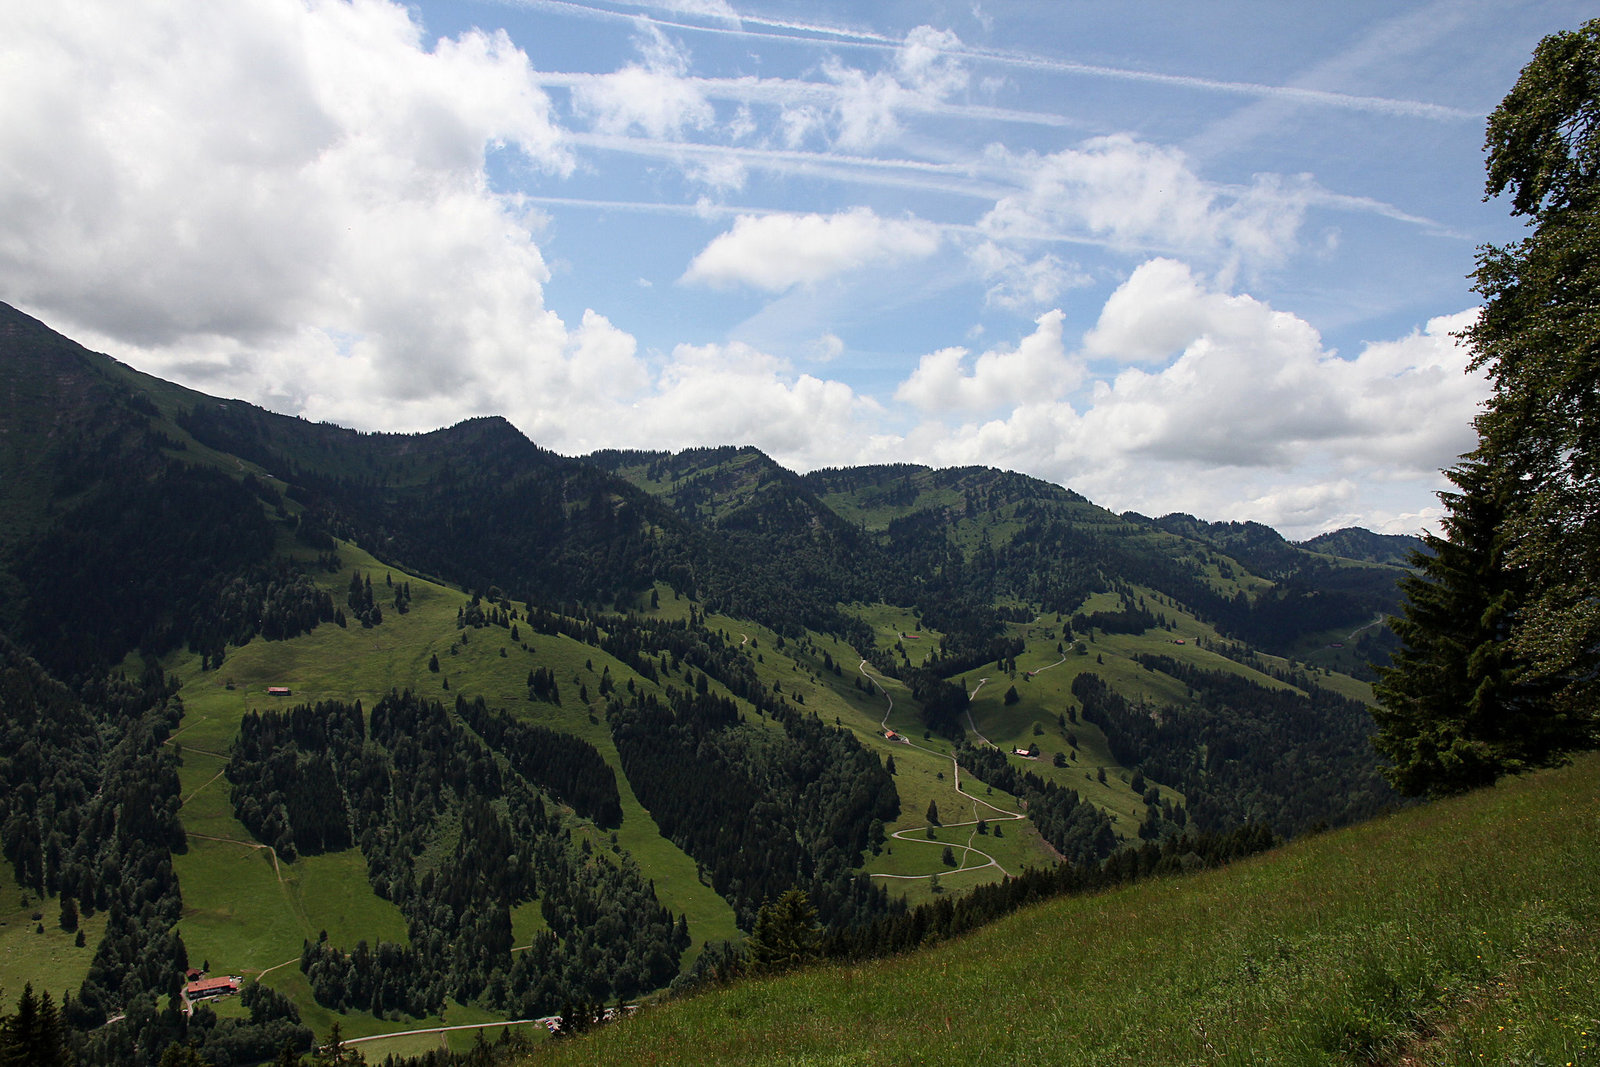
[[968, 852]]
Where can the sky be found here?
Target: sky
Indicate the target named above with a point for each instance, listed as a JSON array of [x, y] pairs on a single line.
[[1207, 258]]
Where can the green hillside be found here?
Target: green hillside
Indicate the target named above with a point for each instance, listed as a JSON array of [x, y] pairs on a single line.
[[1465, 932], [885, 686]]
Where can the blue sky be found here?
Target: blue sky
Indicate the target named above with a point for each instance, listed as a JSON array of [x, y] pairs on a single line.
[[1198, 257]]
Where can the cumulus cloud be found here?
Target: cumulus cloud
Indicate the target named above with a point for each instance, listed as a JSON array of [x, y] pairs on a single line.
[[211, 183], [1036, 368], [867, 106], [1245, 413], [1144, 196], [720, 394], [1253, 386], [778, 252]]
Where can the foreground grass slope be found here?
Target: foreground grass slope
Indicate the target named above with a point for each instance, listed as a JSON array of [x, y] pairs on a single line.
[[1463, 932]]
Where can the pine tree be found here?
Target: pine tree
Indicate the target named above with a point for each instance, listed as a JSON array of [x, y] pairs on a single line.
[[1451, 713], [785, 934], [933, 813]]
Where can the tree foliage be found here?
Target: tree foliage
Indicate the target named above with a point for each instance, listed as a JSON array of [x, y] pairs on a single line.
[[764, 812], [786, 933], [1522, 675], [1453, 713]]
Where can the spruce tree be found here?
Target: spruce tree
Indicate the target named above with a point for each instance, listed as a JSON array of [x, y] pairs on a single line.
[[1449, 715], [786, 933]]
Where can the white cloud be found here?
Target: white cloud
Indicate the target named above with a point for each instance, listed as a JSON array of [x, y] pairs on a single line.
[[706, 8], [1018, 283], [777, 252], [798, 122], [865, 111], [1246, 415], [1141, 196], [655, 98], [1038, 368], [723, 173], [733, 393], [286, 198], [827, 348], [926, 66], [1252, 386]]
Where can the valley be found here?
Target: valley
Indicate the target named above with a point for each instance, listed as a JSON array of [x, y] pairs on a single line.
[[886, 686]]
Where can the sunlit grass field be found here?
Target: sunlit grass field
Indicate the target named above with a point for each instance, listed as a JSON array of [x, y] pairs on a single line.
[[1461, 932]]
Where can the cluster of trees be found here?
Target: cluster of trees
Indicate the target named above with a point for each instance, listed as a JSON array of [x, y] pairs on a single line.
[[763, 811], [272, 1026], [943, 703], [1500, 665], [277, 600], [88, 807], [1132, 619], [567, 767], [35, 1034], [449, 813], [949, 916], [137, 563], [1242, 752], [609, 940], [285, 788], [542, 685], [89, 802], [364, 607], [1076, 829], [89, 812]]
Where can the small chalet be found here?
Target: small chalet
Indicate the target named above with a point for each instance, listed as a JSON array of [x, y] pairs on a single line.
[[206, 988], [193, 974], [277, 690]]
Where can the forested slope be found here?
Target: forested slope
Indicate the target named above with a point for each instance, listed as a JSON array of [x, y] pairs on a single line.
[[553, 730]]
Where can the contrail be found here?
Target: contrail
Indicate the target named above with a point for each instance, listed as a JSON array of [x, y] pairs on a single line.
[[812, 33]]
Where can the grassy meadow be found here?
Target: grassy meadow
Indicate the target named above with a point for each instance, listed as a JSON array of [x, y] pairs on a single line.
[[248, 911], [37, 950], [1463, 932]]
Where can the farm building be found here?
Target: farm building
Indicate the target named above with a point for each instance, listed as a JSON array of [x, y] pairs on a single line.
[[206, 988], [277, 690]]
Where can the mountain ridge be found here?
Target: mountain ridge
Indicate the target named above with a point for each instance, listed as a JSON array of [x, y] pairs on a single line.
[[787, 638]]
